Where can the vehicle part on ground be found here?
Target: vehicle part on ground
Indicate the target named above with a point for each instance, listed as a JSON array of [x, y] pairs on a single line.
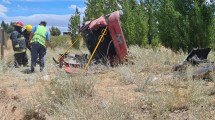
[[61, 61], [67, 61], [204, 72], [196, 58]]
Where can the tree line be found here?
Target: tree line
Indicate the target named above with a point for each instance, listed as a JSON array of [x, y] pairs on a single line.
[[175, 24], [8, 27]]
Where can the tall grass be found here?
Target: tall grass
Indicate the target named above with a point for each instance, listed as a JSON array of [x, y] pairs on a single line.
[[60, 41], [156, 92], [65, 95], [65, 41], [164, 95]]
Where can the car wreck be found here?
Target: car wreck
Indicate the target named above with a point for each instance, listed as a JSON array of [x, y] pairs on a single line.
[[197, 58], [105, 41]]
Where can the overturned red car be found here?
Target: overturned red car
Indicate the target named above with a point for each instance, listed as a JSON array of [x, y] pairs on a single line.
[[112, 48]]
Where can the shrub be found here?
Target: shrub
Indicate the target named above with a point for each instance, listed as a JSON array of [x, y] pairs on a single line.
[[60, 41], [66, 91]]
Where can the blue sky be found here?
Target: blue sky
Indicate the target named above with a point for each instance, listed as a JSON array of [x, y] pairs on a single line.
[[55, 12]]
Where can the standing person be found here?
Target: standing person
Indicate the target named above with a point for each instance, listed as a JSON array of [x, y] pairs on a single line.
[[26, 33], [19, 45], [39, 38]]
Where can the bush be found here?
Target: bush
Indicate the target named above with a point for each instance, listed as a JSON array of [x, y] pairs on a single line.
[[65, 42], [60, 41], [66, 90], [79, 43]]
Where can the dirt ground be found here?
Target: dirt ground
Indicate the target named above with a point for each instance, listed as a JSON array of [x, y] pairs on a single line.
[[18, 88]]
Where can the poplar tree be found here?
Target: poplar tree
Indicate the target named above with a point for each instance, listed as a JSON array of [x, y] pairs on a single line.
[[74, 24], [94, 9], [185, 24], [151, 8], [134, 22], [54, 31]]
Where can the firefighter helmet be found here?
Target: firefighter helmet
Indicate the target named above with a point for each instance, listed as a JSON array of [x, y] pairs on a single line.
[[28, 28], [20, 24]]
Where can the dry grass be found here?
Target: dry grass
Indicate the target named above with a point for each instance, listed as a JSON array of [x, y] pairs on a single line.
[[126, 75], [146, 90]]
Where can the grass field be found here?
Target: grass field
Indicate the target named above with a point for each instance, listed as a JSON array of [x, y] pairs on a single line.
[[145, 90]]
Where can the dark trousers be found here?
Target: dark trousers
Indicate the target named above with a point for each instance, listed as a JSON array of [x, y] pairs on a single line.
[[28, 46], [37, 50], [20, 59]]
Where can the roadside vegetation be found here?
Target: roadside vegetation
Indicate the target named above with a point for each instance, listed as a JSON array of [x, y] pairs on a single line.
[[159, 35], [147, 89]]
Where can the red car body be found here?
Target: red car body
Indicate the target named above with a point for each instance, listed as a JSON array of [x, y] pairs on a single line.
[[113, 48]]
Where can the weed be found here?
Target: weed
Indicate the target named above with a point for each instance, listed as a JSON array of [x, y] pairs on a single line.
[[64, 94], [117, 110], [127, 77], [60, 41], [141, 83]]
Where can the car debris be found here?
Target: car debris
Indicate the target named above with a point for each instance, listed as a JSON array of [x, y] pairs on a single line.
[[198, 59], [105, 41]]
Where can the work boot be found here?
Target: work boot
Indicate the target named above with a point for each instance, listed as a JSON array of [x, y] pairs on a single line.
[[41, 69], [32, 69], [27, 71], [26, 65]]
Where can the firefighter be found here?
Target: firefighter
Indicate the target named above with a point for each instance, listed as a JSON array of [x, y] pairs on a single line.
[[39, 38], [26, 33], [19, 45]]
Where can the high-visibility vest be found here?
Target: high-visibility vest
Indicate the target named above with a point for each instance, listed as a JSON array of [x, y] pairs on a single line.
[[40, 35]]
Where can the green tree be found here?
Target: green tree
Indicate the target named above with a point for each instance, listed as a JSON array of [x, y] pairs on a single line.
[[4, 25], [168, 23], [74, 24], [97, 8], [185, 24], [134, 22], [10, 27], [109, 6], [73, 27], [151, 8], [200, 22], [134, 19], [94, 9], [7, 27], [212, 33], [54, 31]]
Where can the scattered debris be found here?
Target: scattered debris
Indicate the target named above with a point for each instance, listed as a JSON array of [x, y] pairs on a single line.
[[196, 58]]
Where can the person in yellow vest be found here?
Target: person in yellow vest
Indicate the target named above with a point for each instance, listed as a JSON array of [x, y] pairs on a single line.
[[39, 38]]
